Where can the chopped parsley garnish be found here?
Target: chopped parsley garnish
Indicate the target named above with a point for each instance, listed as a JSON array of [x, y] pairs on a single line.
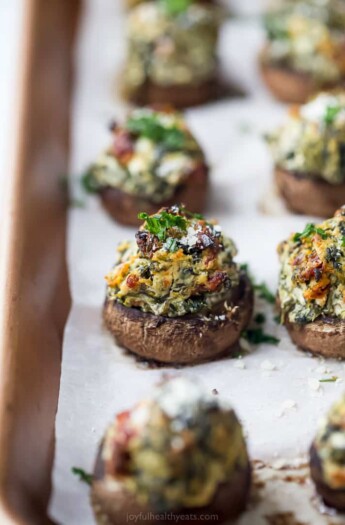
[[257, 336], [175, 7], [310, 229], [331, 114], [260, 318], [160, 223], [171, 244], [343, 241], [89, 182], [150, 127], [237, 355], [264, 292], [82, 475], [198, 216], [328, 380]]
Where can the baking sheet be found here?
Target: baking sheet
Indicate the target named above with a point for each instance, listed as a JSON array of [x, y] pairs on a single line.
[[275, 390]]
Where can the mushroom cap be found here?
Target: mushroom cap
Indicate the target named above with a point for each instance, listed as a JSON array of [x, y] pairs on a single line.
[[188, 339]]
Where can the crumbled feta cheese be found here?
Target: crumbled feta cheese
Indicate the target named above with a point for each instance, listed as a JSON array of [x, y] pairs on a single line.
[[140, 415], [221, 317], [191, 238], [279, 464], [314, 384], [268, 365], [337, 440], [239, 363], [174, 162], [322, 370], [289, 404], [181, 396], [315, 110]]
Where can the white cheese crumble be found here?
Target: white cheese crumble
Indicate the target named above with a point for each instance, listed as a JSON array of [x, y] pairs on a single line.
[[174, 163], [316, 109], [182, 397], [314, 384], [140, 415], [239, 364], [337, 440], [268, 365], [191, 237], [287, 405]]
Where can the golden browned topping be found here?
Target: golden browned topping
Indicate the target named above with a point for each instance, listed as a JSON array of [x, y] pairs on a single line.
[[153, 152], [171, 42], [180, 263], [312, 140], [308, 36], [174, 449], [312, 276]]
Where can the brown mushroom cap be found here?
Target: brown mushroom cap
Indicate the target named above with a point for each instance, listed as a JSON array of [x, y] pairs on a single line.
[[325, 336], [179, 96], [124, 208], [182, 340], [286, 84], [309, 196], [112, 507], [332, 497]]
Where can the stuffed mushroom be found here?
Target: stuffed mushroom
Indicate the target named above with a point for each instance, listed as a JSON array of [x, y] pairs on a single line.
[[129, 4], [309, 156], [153, 161], [171, 53], [327, 457], [311, 293], [178, 454], [176, 295], [305, 50]]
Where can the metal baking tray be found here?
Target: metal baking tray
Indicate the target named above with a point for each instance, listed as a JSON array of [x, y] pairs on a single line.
[[34, 291]]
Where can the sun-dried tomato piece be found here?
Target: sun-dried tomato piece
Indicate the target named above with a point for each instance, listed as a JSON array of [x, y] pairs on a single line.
[[123, 146], [132, 280]]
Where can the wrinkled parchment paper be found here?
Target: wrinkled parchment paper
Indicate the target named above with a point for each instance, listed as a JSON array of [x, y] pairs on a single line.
[[274, 389]]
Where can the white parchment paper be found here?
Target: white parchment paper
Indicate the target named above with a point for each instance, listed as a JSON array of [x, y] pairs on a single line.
[[275, 389]]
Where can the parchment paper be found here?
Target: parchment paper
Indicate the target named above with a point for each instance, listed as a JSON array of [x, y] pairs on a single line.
[[275, 389]]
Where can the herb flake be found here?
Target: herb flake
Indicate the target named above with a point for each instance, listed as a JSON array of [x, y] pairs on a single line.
[[260, 318], [149, 126], [82, 475], [309, 230], [257, 336], [264, 292], [89, 183], [328, 380], [160, 223], [175, 7], [331, 114], [171, 245], [262, 289]]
